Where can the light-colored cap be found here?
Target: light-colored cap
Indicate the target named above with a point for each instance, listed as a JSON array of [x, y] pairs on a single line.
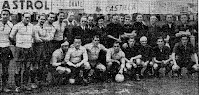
[[65, 43], [143, 38]]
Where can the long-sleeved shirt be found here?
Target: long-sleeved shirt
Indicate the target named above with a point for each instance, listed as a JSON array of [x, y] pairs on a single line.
[[111, 54], [50, 31], [93, 51], [60, 28], [24, 35], [57, 57], [75, 55], [39, 33], [4, 33]]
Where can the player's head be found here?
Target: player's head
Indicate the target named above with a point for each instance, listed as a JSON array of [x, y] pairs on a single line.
[[5, 14], [184, 18], [116, 46], [77, 42], [160, 41], [83, 20], [169, 18], [131, 41], [61, 16], [26, 18], [51, 17], [65, 46], [96, 40], [139, 18], [143, 40], [184, 39], [153, 19], [42, 19], [100, 20]]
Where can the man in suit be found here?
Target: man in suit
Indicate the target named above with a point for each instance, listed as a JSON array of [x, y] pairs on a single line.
[[169, 31], [82, 31]]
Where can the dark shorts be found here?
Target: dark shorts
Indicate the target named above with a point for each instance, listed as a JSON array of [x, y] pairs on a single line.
[[56, 44], [24, 54], [39, 51], [5, 54], [185, 63]]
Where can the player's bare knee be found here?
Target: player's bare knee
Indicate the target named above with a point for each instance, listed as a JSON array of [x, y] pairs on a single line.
[[87, 65], [101, 68], [109, 64], [155, 66], [128, 66]]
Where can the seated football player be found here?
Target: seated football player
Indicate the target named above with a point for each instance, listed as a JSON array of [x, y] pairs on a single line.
[[162, 57], [93, 49], [59, 66], [184, 55], [146, 52], [115, 58], [132, 56], [77, 61]]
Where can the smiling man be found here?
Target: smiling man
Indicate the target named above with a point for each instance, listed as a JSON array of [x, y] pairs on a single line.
[[5, 52], [23, 32]]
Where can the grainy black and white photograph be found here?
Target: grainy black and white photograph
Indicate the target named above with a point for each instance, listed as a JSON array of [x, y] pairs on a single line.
[[99, 47]]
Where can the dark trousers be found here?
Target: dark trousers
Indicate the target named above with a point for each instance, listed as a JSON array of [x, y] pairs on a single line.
[[113, 70], [5, 57], [185, 63], [24, 60], [168, 68]]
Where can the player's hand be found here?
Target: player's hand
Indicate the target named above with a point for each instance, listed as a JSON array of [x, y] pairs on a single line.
[[134, 65], [117, 61], [63, 62], [121, 71], [78, 65]]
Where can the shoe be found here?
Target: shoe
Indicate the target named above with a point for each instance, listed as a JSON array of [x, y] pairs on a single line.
[[108, 80], [81, 73], [180, 76], [85, 82], [27, 88], [6, 90], [18, 89], [33, 86], [137, 77], [190, 76], [175, 75]]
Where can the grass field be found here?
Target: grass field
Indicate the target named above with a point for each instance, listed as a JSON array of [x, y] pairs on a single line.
[[163, 86]]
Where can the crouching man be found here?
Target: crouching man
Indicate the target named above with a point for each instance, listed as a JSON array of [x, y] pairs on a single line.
[[161, 57], [77, 60], [59, 66], [181, 55], [146, 52], [115, 58], [94, 50], [132, 57]]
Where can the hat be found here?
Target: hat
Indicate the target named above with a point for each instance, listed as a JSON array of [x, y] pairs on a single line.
[[65, 43], [143, 38]]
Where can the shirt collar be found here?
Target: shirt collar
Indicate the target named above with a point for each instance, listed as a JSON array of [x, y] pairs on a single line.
[[92, 44]]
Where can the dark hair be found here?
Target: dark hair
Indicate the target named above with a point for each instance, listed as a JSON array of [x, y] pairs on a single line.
[[131, 38], [77, 37], [183, 35], [139, 14], [95, 36], [50, 13], [159, 38], [43, 14], [7, 10], [101, 17], [116, 42], [169, 14], [25, 13], [60, 13]]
